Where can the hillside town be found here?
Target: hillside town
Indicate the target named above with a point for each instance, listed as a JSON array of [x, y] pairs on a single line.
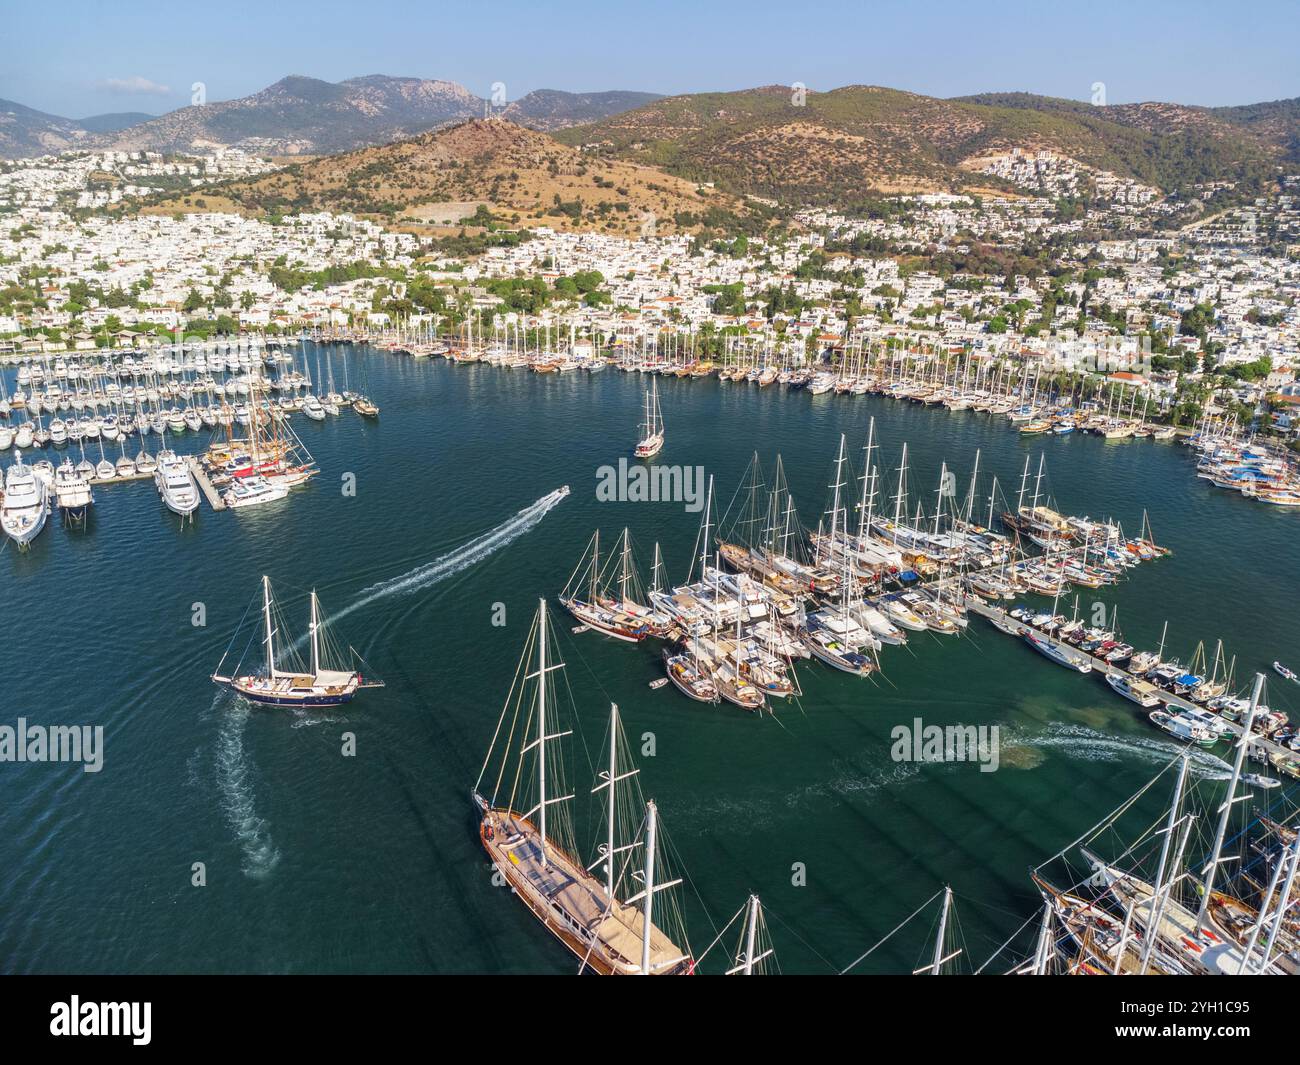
[[1206, 313]]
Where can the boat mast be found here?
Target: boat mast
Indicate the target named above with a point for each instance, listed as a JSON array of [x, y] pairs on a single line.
[[1226, 812], [750, 934], [652, 816], [868, 474], [1153, 911], [613, 771], [541, 723], [611, 779], [1283, 904], [315, 635], [943, 930], [266, 616]]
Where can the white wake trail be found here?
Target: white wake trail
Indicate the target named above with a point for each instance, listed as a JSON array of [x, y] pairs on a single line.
[[235, 779], [461, 558]]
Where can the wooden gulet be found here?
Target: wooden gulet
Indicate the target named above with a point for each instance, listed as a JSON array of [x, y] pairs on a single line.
[[609, 935], [319, 686]]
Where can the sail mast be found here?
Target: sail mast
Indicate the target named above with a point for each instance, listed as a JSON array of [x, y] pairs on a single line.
[[651, 814], [1229, 802], [541, 724], [315, 635], [613, 776], [749, 935], [266, 616], [1153, 915], [943, 930]]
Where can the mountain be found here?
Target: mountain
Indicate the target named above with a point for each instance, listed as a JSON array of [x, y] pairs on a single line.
[[858, 140], [550, 109], [524, 176], [26, 132], [302, 116], [114, 121]]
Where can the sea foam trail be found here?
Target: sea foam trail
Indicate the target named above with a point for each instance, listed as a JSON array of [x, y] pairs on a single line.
[[461, 558], [238, 800]]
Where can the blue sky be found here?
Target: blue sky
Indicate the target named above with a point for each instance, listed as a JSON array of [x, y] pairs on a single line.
[[79, 57]]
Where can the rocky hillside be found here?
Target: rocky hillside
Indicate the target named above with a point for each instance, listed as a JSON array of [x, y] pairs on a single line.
[[858, 140], [25, 132], [523, 176]]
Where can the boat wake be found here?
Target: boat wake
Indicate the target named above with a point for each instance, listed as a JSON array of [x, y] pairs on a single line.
[[235, 780], [461, 558], [1079, 741]]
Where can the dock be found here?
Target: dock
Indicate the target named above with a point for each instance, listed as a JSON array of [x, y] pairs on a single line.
[[118, 478], [205, 484], [1100, 666]]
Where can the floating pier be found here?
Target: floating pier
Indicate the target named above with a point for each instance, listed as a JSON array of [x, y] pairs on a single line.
[[205, 485], [1101, 666]]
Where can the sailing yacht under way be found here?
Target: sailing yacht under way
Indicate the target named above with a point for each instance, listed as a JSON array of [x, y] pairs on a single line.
[[26, 504], [531, 845], [274, 686], [653, 440], [176, 484]]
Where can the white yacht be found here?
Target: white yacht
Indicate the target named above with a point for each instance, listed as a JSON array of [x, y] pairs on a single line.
[[252, 490], [176, 484], [72, 491], [26, 504]]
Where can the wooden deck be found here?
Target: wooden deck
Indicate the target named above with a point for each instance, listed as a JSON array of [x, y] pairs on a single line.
[[205, 484]]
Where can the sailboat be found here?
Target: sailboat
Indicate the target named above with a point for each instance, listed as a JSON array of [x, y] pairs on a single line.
[[531, 846], [653, 441], [315, 686], [585, 599]]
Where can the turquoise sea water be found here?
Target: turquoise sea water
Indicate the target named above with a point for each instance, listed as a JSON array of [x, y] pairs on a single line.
[[322, 863]]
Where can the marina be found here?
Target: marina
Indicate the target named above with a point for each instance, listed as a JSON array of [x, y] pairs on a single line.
[[815, 766]]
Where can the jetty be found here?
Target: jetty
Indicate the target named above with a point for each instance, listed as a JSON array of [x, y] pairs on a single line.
[[1258, 744], [205, 484]]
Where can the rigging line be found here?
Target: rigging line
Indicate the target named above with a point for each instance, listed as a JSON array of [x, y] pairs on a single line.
[[705, 953], [500, 721], [1113, 816], [896, 929], [234, 634], [767, 912]]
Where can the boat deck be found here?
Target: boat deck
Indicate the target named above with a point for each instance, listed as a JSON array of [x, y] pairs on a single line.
[[573, 903]]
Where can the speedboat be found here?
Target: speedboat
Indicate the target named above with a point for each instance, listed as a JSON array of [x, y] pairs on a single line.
[[1139, 691], [1181, 728]]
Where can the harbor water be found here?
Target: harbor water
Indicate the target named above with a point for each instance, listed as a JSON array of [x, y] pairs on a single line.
[[345, 841]]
